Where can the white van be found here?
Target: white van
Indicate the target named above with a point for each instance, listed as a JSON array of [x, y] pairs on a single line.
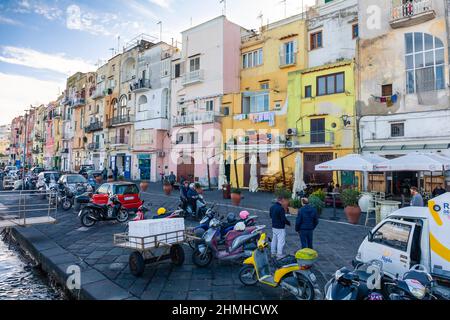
[[412, 236]]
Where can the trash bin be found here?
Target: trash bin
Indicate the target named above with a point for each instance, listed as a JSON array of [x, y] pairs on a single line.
[[226, 188]]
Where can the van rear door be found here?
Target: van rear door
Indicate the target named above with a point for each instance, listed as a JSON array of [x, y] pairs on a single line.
[[391, 243]]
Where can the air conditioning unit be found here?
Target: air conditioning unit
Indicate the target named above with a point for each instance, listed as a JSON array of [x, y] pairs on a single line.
[[225, 111], [292, 144], [291, 132]]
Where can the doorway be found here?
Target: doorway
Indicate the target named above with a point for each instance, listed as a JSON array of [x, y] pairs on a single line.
[[186, 168]]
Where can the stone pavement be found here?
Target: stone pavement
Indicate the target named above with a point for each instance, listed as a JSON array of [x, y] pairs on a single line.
[[105, 272]]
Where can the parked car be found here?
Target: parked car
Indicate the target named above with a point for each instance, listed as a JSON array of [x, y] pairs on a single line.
[[127, 193], [47, 180], [36, 170], [76, 183], [85, 168]]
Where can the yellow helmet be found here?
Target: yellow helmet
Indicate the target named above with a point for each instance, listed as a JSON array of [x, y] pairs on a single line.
[[161, 211]]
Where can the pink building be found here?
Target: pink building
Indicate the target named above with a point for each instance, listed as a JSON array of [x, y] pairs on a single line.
[[49, 148], [206, 69]]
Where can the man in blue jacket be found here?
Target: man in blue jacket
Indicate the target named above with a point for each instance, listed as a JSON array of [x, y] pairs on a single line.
[[307, 221], [279, 222]]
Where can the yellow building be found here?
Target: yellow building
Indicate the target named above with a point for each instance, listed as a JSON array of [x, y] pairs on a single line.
[[321, 118], [255, 126]]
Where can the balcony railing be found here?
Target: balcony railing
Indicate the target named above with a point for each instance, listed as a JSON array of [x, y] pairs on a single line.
[[65, 151], [312, 139], [94, 126], [412, 12], [288, 59], [120, 140], [93, 146], [98, 93], [195, 118], [193, 77], [141, 85], [121, 120], [78, 102]]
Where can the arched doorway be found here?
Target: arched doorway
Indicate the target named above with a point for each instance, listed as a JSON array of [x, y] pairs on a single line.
[[186, 168]]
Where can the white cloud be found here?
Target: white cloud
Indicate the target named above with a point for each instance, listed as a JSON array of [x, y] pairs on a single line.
[[162, 3], [76, 19], [39, 60], [9, 21], [19, 92], [40, 8]]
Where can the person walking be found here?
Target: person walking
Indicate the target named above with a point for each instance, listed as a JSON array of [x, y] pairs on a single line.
[[306, 223], [279, 222], [416, 200]]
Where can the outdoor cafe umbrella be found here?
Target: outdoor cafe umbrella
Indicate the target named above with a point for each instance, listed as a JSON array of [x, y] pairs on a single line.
[[299, 184], [353, 162], [253, 185], [222, 177]]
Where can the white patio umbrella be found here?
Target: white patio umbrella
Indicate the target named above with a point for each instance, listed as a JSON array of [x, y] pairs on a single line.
[[222, 177], [416, 162], [352, 162], [253, 185], [299, 184]]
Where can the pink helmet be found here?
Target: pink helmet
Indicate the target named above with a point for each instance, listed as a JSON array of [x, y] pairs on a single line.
[[244, 215]]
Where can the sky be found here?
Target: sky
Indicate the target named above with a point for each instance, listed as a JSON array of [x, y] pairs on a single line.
[[42, 42]]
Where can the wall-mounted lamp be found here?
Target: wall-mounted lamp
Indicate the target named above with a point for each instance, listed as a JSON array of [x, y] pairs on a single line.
[[346, 120]]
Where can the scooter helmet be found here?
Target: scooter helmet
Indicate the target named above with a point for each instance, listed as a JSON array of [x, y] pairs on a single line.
[[231, 217], [192, 186], [161, 211], [239, 226], [244, 215]]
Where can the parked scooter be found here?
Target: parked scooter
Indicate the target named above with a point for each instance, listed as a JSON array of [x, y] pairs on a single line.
[[352, 284], [416, 284], [201, 210], [65, 197], [296, 277], [238, 244], [93, 213]]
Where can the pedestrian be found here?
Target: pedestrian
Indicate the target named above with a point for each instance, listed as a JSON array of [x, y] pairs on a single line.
[[416, 200], [105, 174], [306, 223], [279, 222], [439, 191], [172, 178], [115, 173]]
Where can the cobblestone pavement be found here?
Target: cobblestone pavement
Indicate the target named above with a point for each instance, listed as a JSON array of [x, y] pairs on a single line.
[[105, 272]]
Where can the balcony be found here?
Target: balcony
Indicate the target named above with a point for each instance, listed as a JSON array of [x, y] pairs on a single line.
[[411, 13], [194, 118], [94, 126], [288, 59], [36, 150], [121, 120], [119, 140], [57, 114], [193, 77], [316, 139], [141, 85], [93, 146], [78, 102], [98, 93], [65, 151]]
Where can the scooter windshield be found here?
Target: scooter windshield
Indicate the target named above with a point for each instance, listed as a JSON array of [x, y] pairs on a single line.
[[209, 235]]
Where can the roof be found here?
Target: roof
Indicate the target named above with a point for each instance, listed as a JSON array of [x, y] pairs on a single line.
[[412, 212]]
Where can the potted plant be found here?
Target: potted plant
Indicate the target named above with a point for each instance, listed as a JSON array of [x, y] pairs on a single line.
[[144, 185], [167, 187], [319, 194], [316, 202], [121, 177], [236, 196], [295, 205], [350, 200]]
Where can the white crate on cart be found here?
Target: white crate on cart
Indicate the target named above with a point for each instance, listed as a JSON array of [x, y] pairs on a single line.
[[153, 231]]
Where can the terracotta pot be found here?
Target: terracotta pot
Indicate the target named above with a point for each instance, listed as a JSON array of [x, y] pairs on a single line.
[[167, 189], [144, 186], [236, 199], [353, 214]]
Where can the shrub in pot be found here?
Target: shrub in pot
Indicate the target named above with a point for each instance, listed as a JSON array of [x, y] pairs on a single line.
[[319, 194], [236, 196], [350, 200], [295, 205], [167, 187], [316, 202]]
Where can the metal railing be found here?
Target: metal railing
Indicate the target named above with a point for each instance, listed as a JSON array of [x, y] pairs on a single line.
[[193, 77], [312, 139], [78, 102], [411, 8], [141, 85], [195, 118], [93, 146], [120, 140], [94, 126], [121, 120]]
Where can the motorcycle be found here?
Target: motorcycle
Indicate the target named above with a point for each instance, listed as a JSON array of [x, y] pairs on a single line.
[[353, 284], [65, 197], [200, 211], [93, 213], [416, 284], [294, 276], [237, 244]]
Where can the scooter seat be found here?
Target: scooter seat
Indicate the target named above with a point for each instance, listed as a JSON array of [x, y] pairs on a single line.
[[268, 280]]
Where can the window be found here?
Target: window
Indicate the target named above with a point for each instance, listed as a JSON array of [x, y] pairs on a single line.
[[397, 130], [331, 84], [317, 131], [165, 68], [210, 105], [264, 86], [255, 102], [394, 235], [308, 92], [288, 53], [178, 70], [316, 40], [386, 90], [126, 189], [424, 60], [194, 64], [252, 59], [355, 31], [142, 103], [187, 138]]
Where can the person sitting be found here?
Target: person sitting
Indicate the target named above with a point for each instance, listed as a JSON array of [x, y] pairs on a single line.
[[192, 197], [438, 191], [337, 189], [416, 200], [184, 189]]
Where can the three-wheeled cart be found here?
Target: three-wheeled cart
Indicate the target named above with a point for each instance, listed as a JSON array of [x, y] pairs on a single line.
[[152, 249]]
